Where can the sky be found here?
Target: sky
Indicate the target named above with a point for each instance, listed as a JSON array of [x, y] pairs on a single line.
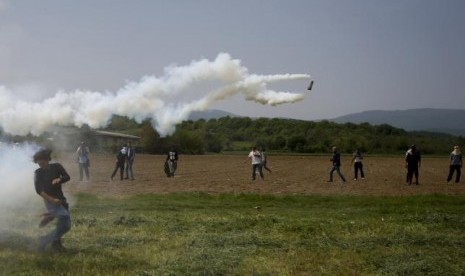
[[361, 54]]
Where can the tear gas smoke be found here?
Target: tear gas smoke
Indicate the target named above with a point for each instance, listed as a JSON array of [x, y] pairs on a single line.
[[17, 194], [146, 99], [20, 206]]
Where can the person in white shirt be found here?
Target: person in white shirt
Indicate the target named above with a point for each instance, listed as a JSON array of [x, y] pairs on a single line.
[[357, 157], [256, 158], [83, 161]]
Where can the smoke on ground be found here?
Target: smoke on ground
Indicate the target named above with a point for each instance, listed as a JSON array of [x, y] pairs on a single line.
[[20, 206], [166, 100]]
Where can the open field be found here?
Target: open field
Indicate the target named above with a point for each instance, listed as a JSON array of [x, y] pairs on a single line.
[[291, 175], [213, 220], [248, 234]]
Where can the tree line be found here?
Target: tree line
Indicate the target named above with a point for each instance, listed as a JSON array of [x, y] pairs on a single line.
[[283, 135]]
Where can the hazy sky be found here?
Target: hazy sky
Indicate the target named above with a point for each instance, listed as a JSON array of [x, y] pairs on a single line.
[[362, 54]]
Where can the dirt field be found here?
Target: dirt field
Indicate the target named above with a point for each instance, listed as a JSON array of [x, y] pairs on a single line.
[[229, 174]]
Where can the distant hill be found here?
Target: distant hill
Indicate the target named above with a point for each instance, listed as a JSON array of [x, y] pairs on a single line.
[[210, 114], [450, 121]]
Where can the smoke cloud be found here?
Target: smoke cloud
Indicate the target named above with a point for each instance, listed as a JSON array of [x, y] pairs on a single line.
[[166, 100], [19, 204]]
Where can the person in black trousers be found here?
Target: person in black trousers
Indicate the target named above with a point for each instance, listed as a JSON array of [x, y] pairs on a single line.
[[412, 163], [358, 165], [455, 164], [120, 161]]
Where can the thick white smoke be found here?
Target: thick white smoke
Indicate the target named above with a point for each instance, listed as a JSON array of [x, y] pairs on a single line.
[[148, 98], [19, 204]]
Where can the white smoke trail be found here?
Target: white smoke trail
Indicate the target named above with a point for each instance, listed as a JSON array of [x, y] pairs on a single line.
[[149, 98]]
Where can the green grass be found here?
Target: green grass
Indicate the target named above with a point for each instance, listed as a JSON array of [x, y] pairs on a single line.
[[200, 234]]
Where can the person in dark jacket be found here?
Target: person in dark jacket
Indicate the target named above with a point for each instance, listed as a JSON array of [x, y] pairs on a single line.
[[48, 179], [171, 162], [119, 163], [264, 160], [336, 165], [130, 155], [455, 159], [412, 163]]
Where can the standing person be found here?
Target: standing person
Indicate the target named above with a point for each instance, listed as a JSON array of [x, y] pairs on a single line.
[[412, 163], [129, 161], [48, 179], [119, 163], [264, 159], [358, 165], [83, 160], [256, 158], [455, 164], [171, 163], [336, 165]]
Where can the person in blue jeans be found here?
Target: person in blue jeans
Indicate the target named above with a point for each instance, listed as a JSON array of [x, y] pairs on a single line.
[[336, 165], [48, 179]]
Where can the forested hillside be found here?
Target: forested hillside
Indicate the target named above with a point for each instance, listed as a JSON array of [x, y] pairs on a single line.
[[284, 135]]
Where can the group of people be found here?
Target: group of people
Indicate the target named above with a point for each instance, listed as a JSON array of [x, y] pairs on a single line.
[[412, 164], [49, 177], [124, 162], [258, 162]]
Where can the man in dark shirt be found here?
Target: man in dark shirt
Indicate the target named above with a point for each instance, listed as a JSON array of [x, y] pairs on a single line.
[[336, 165], [130, 161], [119, 163], [47, 181], [412, 163]]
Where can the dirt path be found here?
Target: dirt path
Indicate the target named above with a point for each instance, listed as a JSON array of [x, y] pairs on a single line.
[[229, 174]]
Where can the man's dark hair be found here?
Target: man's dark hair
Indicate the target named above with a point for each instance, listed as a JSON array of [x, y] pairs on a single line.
[[43, 154]]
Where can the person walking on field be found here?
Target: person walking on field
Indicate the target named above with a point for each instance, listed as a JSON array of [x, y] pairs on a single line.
[[336, 165], [129, 161], [264, 159], [48, 179], [412, 163], [358, 165], [83, 161], [256, 158], [171, 162], [119, 163], [455, 164]]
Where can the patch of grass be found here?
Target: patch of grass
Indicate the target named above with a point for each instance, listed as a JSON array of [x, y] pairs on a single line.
[[243, 234]]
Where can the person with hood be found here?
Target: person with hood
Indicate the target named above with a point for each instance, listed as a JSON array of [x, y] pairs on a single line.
[[412, 163], [455, 164]]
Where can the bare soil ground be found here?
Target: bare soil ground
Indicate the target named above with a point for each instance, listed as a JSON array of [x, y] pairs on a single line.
[[290, 175]]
